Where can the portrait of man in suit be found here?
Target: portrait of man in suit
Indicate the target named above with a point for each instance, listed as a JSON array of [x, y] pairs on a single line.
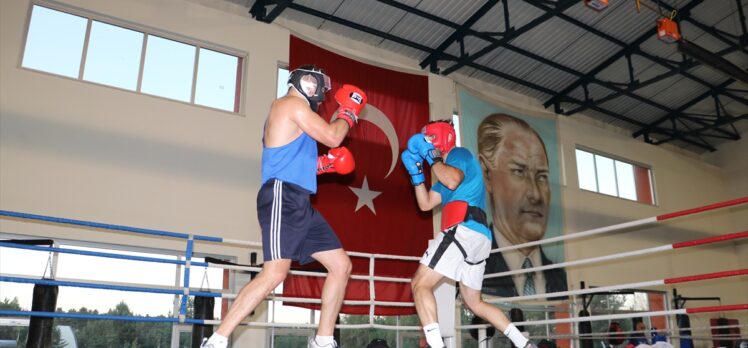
[[515, 168]]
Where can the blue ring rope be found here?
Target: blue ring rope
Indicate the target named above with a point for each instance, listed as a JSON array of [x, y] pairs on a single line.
[[97, 253], [96, 316], [104, 286], [190, 241], [106, 226]]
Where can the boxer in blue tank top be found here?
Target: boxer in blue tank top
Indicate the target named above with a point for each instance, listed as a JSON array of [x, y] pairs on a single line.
[[292, 230]]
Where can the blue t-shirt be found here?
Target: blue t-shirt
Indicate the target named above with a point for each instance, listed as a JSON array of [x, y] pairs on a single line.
[[295, 162], [470, 190]]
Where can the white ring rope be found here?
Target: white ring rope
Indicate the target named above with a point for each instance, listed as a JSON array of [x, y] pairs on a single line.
[[371, 278]]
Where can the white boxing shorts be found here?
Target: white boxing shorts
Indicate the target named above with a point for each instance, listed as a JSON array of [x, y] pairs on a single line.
[[459, 254]]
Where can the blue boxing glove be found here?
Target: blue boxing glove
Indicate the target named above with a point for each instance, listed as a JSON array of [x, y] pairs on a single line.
[[414, 166], [417, 144]]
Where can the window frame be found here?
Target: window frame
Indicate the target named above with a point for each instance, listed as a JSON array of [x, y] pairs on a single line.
[[177, 328], [615, 158], [243, 57]]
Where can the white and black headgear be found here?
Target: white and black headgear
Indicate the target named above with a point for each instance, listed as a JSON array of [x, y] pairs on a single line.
[[323, 83]]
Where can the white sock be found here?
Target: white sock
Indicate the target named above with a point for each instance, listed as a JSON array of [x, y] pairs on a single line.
[[433, 335], [218, 340], [519, 340], [323, 340]]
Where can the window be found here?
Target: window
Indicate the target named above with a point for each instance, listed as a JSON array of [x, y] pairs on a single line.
[[456, 125], [55, 42], [282, 82], [614, 177], [81, 47], [168, 69], [217, 74], [35, 263], [627, 303], [104, 333], [113, 56], [72, 266]]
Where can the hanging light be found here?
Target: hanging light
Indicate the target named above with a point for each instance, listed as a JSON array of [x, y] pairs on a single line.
[[597, 5], [667, 30]]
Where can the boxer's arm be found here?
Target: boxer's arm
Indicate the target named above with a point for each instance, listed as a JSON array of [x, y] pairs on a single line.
[[449, 176], [427, 199], [329, 134]]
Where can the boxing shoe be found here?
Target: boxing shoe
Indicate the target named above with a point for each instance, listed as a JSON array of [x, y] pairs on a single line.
[[313, 344], [212, 344]]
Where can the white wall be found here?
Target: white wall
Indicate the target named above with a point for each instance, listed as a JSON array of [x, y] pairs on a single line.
[[83, 151], [78, 150], [732, 157]]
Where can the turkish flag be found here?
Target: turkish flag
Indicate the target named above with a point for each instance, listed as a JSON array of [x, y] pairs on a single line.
[[373, 209]]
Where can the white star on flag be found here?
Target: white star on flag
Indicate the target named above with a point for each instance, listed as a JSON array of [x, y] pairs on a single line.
[[365, 196]]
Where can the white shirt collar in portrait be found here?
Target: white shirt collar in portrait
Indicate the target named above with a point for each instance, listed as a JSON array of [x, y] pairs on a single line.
[[514, 259]]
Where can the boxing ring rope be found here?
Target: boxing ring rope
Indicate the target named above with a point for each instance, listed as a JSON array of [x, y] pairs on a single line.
[[186, 291], [98, 254], [666, 247], [112, 227], [625, 225], [652, 283], [177, 291], [181, 289], [695, 310], [617, 334], [638, 285]]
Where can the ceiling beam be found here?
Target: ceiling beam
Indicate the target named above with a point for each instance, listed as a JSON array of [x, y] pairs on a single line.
[[277, 10], [458, 34], [626, 49], [712, 60], [634, 47], [686, 65], [677, 112], [561, 6], [259, 11], [462, 30], [721, 122], [414, 45], [491, 39], [368, 30], [445, 55]]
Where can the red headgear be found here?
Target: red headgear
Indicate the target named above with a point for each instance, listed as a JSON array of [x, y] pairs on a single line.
[[443, 135]]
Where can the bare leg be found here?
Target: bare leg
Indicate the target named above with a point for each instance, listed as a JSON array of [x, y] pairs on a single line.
[[472, 298], [338, 267], [273, 273], [423, 284]]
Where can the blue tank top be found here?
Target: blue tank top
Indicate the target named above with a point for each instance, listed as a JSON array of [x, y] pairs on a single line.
[[295, 162], [470, 190]]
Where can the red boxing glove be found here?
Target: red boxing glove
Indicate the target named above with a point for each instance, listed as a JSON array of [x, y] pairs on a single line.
[[351, 101], [338, 160]]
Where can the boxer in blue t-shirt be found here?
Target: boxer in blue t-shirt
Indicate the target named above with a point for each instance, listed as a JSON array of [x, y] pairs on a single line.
[[460, 251]]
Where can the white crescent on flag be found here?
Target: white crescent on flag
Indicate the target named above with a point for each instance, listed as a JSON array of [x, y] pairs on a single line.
[[378, 118]]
